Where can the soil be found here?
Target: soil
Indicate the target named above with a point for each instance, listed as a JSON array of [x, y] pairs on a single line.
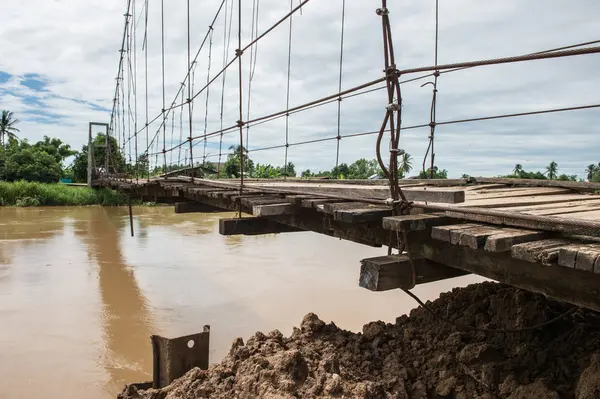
[[419, 356]]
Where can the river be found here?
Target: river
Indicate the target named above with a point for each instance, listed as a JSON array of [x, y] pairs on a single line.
[[80, 297]]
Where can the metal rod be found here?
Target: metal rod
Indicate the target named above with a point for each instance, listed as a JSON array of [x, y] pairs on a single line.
[[130, 214]]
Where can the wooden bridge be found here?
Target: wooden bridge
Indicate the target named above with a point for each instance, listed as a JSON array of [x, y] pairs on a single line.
[[543, 236]]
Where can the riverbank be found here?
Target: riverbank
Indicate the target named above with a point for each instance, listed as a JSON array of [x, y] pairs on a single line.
[[420, 356], [25, 194]]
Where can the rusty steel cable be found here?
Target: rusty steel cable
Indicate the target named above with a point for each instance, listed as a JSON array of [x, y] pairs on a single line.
[[189, 84], [287, 93], [227, 34], [252, 64], [339, 100], [240, 122], [433, 108]]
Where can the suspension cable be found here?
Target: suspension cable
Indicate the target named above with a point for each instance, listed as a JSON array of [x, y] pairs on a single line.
[[287, 101], [339, 100]]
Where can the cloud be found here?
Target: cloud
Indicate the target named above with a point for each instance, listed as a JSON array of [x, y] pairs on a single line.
[[60, 75]]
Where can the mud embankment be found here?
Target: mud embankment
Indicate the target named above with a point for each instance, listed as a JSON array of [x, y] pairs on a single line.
[[419, 356]]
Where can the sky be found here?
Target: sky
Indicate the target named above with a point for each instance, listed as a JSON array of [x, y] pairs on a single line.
[[60, 62]]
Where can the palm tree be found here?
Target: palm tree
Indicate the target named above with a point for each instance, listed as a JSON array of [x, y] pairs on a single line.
[[552, 170], [591, 170], [518, 169], [7, 127], [405, 164]]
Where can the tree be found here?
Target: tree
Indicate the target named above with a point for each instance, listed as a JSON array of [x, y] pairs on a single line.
[[266, 172], [31, 163], [340, 172], [552, 170], [518, 169], [55, 147], [7, 128], [437, 173], [362, 169], [591, 170], [289, 171], [306, 173], [232, 165], [116, 158], [405, 165]]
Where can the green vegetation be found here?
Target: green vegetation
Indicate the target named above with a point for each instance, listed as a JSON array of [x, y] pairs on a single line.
[[24, 193]]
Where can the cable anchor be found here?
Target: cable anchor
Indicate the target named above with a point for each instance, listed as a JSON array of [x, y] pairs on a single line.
[[393, 107]]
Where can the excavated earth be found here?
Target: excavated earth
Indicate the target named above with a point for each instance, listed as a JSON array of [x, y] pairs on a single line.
[[419, 356]]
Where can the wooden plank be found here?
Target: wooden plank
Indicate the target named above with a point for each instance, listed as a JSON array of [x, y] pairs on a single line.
[[444, 233], [543, 251], [579, 256], [386, 273], [565, 210], [504, 241], [532, 200], [518, 193], [374, 214], [581, 186], [419, 222], [475, 237], [592, 215], [261, 200], [432, 194], [252, 226], [273, 209], [558, 205], [314, 203], [331, 207], [554, 225], [195, 207]]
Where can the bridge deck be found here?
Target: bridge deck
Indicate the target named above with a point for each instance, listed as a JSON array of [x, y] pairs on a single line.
[[544, 239]]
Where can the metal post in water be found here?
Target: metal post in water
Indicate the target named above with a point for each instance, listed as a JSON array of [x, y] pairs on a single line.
[[130, 214]]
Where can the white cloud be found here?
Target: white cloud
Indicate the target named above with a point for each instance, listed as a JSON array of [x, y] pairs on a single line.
[[74, 46]]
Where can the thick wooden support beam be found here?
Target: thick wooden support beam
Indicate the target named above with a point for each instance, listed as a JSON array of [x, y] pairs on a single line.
[[419, 222], [195, 207], [252, 226], [372, 214], [385, 273], [580, 256], [273, 209], [565, 284]]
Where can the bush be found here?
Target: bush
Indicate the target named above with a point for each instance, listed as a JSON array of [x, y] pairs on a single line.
[[23, 193]]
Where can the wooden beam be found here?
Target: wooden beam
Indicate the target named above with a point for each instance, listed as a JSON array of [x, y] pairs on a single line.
[[419, 222], [479, 236], [385, 273], [253, 226], [562, 283], [579, 256], [554, 225], [543, 251], [273, 209], [374, 214], [195, 207], [580, 186]]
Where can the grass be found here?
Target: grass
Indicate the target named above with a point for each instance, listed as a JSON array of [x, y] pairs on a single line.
[[39, 194]]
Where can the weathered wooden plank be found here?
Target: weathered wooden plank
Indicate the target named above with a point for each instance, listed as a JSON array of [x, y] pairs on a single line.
[[419, 222], [475, 237], [565, 211], [253, 226], [593, 215], [386, 273], [530, 200], [582, 186], [261, 200], [579, 256], [331, 207], [444, 233], [374, 214], [543, 251], [504, 241], [314, 203], [522, 192], [528, 224], [273, 209], [195, 207]]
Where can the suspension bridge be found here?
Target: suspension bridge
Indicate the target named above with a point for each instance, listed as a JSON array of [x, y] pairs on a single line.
[[540, 235]]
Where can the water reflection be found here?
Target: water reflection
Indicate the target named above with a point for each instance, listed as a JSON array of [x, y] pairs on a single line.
[[125, 317]]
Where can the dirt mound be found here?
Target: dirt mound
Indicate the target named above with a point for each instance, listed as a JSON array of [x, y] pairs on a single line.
[[419, 356]]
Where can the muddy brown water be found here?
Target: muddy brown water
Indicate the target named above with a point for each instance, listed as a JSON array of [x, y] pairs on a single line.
[[79, 297]]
